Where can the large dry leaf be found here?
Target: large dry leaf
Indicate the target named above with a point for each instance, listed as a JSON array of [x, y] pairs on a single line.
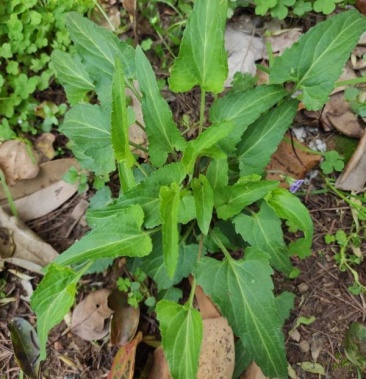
[[253, 372], [217, 358], [123, 366], [280, 40], [125, 319], [287, 162], [206, 306], [90, 317], [37, 197], [17, 161], [353, 177], [29, 249]]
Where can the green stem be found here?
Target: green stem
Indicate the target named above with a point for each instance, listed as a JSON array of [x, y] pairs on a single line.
[[302, 147], [137, 146], [101, 10], [165, 44], [220, 244], [202, 111], [351, 82], [8, 195], [194, 281], [133, 90]]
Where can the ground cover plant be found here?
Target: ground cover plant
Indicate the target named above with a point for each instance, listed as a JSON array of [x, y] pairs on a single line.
[[199, 207], [29, 31]]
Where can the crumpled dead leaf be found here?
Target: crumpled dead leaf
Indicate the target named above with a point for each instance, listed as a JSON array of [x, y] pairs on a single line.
[[280, 40], [254, 372], [123, 366], [34, 198], [125, 319], [353, 177], [44, 146], [30, 251], [17, 161], [90, 317]]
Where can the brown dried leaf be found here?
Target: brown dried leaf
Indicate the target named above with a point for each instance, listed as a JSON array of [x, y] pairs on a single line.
[[217, 359], [206, 306], [254, 372], [17, 162], [44, 146], [90, 317], [125, 319], [123, 366]]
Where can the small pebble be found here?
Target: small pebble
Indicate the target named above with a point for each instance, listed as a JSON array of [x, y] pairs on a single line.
[[303, 287], [304, 346]]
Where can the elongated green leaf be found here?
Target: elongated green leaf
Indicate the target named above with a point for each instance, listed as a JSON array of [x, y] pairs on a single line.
[[218, 173], [289, 207], [169, 210], [243, 108], [99, 49], [154, 266], [249, 285], [181, 330], [162, 132], [88, 128], [203, 143], [202, 58], [261, 139], [25, 346], [120, 236], [230, 200], [146, 194], [52, 299], [119, 133], [316, 61], [187, 209], [204, 201], [72, 75], [263, 229]]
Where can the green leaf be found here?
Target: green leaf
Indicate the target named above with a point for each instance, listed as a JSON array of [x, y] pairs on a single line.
[[260, 141], [120, 236], [202, 58], [263, 230], [316, 61], [218, 173], [181, 330], [203, 143], [285, 302], [243, 108], [162, 132], [52, 299], [88, 128], [187, 209], [289, 207], [234, 285], [154, 266], [25, 346], [204, 201], [230, 200], [119, 133], [72, 75], [169, 209], [99, 49]]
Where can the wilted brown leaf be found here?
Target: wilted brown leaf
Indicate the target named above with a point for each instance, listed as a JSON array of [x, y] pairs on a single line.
[[90, 317], [44, 146], [254, 372], [17, 161]]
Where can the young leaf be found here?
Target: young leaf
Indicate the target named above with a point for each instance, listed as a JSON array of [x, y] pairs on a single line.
[[119, 132], [154, 266], [52, 299], [163, 134], [289, 207], [25, 346], [260, 141], [203, 142], [88, 128], [145, 194], [230, 200], [181, 330], [72, 75], [120, 236], [263, 230], [169, 209], [204, 201], [187, 209], [243, 108], [218, 173], [316, 61], [258, 322], [202, 58], [99, 49]]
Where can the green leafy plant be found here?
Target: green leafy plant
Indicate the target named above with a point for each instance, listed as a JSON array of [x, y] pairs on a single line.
[[201, 203], [29, 31], [332, 162]]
